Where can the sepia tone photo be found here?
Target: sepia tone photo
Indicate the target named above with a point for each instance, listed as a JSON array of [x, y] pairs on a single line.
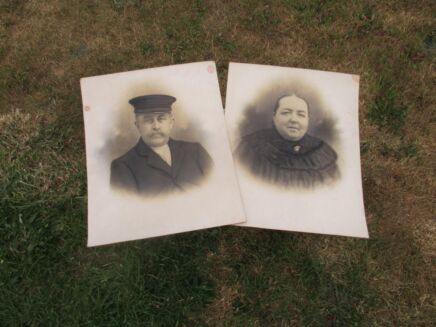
[[286, 154], [158, 163], [157, 154], [294, 135]]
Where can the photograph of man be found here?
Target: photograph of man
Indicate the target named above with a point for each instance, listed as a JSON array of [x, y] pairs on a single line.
[[157, 163], [285, 154]]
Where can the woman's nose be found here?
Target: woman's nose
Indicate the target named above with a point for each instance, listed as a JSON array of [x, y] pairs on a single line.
[[293, 117]]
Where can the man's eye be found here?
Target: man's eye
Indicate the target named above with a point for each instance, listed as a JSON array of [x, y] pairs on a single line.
[[301, 115]]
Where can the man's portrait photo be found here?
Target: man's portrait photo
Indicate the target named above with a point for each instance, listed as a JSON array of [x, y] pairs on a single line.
[[158, 164], [285, 154], [157, 154]]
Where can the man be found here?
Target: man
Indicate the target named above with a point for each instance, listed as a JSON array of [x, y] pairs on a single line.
[[157, 163], [285, 154]]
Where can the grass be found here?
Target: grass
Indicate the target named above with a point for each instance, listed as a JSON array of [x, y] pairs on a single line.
[[227, 276], [385, 111]]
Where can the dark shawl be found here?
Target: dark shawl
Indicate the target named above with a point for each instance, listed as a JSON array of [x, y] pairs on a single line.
[[307, 162]]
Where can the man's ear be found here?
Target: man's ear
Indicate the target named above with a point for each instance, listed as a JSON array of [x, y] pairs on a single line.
[[136, 122]]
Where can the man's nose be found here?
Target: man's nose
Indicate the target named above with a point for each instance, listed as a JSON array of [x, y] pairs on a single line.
[[155, 124]]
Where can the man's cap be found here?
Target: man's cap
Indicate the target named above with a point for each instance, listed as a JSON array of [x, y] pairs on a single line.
[[152, 103]]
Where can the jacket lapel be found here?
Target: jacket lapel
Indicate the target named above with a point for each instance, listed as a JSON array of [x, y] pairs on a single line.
[[177, 155], [153, 160]]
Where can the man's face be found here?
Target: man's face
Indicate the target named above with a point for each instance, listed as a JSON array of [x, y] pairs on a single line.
[[155, 128], [291, 118]]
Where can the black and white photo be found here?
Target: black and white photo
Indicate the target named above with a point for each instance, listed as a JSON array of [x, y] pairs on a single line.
[[294, 135], [286, 154], [158, 163], [157, 153]]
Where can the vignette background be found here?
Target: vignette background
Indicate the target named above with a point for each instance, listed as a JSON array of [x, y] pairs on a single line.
[[226, 276]]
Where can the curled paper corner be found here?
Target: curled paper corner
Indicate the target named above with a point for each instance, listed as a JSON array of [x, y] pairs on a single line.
[[356, 78]]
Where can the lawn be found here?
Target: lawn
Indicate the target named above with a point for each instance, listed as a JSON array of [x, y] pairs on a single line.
[[224, 276]]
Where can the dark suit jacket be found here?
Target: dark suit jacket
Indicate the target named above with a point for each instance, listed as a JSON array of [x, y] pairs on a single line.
[[142, 171]]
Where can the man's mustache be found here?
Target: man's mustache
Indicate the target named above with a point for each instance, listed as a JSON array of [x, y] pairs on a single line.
[[157, 134]]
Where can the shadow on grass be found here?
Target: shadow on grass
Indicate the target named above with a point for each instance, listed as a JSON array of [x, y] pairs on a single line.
[[47, 274], [162, 282], [283, 281]]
